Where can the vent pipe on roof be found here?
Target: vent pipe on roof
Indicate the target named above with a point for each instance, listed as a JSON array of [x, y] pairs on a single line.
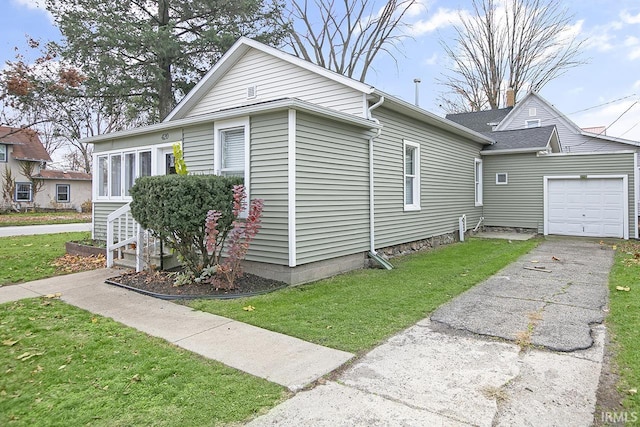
[[511, 97], [417, 82]]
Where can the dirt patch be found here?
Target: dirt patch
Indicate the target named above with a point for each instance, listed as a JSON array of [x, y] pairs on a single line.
[[609, 399], [161, 284]]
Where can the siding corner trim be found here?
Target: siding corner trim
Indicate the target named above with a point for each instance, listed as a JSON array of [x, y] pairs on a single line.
[[292, 187]]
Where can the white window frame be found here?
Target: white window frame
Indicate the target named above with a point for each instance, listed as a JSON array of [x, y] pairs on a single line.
[[3, 153], [218, 128], [415, 206], [68, 187], [506, 178], [155, 150], [478, 181], [533, 123], [15, 196]]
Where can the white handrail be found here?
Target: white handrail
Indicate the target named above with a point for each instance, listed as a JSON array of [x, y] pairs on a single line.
[[121, 223]]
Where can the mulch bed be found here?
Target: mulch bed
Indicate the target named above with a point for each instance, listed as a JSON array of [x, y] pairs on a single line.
[[160, 284]]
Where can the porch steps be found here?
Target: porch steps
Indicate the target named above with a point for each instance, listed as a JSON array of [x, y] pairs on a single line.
[[169, 260]]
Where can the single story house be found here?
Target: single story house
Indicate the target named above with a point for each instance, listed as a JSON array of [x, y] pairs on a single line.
[[345, 170], [57, 189]]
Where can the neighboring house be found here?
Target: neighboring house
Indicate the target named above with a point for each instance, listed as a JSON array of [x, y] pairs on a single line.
[[22, 152], [64, 189], [344, 169], [535, 111]]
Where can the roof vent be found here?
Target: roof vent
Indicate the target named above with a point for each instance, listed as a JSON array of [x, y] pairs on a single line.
[[252, 92]]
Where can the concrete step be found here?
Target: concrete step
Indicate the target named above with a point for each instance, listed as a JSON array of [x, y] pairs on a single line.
[[169, 260]]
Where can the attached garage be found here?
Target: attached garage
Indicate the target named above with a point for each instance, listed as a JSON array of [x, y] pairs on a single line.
[[590, 206], [592, 195]]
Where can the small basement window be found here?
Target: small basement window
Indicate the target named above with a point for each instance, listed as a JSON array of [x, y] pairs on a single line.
[[501, 178]]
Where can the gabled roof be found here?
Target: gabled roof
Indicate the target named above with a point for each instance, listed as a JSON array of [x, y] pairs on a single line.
[[557, 115], [233, 55], [26, 144], [480, 121], [543, 138], [178, 117], [63, 175]]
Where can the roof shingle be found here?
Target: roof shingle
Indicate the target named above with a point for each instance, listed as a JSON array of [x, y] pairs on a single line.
[[26, 144]]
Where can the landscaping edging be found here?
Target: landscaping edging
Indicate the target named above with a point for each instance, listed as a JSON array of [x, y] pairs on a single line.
[[75, 248], [192, 297]]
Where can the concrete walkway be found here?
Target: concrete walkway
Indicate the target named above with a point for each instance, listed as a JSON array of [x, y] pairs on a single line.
[[462, 367], [282, 359], [24, 230]]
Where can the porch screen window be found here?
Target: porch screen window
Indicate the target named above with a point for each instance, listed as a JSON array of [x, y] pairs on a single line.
[[3, 153], [23, 191], [411, 176], [129, 172], [63, 193], [478, 182], [103, 176], [232, 152], [145, 163], [116, 175]]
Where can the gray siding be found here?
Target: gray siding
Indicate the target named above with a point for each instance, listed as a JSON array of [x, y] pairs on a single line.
[[332, 193], [277, 79], [269, 167], [198, 148], [100, 212], [520, 203], [447, 181]]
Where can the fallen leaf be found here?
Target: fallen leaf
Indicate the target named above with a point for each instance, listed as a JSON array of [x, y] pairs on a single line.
[[249, 308], [614, 247], [27, 245], [136, 378], [52, 296], [94, 320], [62, 367], [553, 258], [623, 288], [535, 261], [10, 343], [632, 391], [329, 326]]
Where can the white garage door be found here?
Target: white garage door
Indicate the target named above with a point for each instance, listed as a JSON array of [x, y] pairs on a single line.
[[586, 207]]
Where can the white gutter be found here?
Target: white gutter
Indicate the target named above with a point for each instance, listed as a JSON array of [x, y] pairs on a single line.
[[372, 226]]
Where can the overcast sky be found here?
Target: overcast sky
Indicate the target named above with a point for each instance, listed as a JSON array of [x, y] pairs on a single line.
[[595, 94]]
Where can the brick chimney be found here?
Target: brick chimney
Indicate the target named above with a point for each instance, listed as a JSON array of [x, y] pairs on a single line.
[[511, 97]]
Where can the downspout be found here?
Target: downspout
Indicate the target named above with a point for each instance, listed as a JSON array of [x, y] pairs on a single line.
[[372, 227]]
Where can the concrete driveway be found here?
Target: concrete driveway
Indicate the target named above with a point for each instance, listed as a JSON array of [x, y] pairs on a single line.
[[524, 348]]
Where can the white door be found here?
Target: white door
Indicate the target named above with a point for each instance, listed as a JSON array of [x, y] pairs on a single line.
[[593, 207]]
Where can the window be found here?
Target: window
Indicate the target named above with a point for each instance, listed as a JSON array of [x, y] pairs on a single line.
[[3, 153], [411, 176], [232, 146], [532, 112], [116, 175], [231, 141], [532, 123], [478, 182], [23, 191], [63, 193], [117, 172], [501, 178]]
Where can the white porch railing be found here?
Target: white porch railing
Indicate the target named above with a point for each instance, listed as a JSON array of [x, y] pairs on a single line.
[[123, 230]]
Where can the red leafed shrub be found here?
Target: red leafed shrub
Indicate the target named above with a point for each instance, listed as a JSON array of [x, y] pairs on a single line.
[[227, 266]]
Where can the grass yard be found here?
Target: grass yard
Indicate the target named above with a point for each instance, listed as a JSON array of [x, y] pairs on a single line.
[[624, 321], [356, 311], [26, 258], [41, 218], [64, 366]]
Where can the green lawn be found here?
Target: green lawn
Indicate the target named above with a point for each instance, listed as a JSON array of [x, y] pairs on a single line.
[[42, 218], [623, 322], [26, 258], [62, 366], [356, 311]]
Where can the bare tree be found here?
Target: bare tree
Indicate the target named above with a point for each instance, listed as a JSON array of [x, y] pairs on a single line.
[[345, 36], [8, 187], [515, 44]]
